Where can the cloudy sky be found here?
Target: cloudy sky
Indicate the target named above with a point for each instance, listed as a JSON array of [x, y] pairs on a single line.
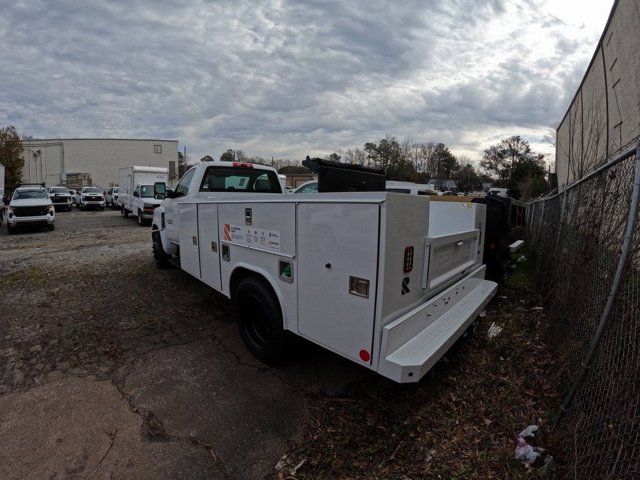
[[288, 78]]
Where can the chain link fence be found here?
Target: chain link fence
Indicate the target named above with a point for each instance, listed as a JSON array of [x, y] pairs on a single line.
[[589, 277]]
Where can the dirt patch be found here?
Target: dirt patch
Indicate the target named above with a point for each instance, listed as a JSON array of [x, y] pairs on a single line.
[[84, 306]]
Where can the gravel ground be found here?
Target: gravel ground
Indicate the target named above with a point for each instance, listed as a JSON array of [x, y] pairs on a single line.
[[85, 315], [110, 368]]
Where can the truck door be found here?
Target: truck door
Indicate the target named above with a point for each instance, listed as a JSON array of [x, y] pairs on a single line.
[[189, 252], [337, 268], [171, 206]]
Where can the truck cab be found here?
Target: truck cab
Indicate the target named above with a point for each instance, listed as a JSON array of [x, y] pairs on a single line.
[[207, 181], [143, 203]]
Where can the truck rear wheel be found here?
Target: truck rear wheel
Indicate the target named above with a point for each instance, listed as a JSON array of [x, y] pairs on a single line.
[[260, 320], [125, 212]]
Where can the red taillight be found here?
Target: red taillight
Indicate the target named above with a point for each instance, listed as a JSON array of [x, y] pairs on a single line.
[[364, 355], [408, 259], [243, 164]]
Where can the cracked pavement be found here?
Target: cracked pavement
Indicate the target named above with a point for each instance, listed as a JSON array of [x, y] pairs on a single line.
[[110, 368]]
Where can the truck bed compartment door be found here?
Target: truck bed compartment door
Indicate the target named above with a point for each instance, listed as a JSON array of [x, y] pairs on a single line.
[[337, 267], [449, 255], [189, 254], [209, 244]]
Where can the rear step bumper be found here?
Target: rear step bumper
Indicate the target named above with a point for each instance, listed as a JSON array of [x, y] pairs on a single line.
[[413, 343]]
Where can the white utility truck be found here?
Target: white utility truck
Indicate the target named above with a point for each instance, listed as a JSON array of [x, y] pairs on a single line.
[[386, 280], [135, 191]]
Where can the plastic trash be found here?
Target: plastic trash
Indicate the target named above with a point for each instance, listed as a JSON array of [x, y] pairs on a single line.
[[537, 309], [521, 259], [526, 452], [494, 331], [530, 431]]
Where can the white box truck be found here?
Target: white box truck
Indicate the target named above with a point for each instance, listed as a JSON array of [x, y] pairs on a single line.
[[389, 281], [135, 194]]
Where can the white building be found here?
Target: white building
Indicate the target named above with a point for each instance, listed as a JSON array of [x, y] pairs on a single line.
[[93, 161], [604, 116]]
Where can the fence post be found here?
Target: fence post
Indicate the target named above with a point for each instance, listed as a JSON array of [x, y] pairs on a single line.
[[541, 221], [615, 286], [561, 221]]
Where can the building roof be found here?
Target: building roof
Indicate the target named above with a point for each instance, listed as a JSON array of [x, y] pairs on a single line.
[[36, 140]]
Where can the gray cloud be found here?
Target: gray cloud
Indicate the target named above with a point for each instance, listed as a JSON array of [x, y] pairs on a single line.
[[285, 78]]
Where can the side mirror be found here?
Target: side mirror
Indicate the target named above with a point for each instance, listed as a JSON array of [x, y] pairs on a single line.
[[159, 190], [135, 194]]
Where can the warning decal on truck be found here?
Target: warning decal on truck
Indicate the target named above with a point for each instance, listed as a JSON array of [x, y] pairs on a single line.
[[252, 237]]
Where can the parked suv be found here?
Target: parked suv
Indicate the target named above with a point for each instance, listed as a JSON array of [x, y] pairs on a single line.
[[30, 205], [111, 197], [61, 198], [90, 197]]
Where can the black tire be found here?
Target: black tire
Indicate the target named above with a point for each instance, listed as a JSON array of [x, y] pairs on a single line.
[[141, 221], [11, 229], [125, 212], [51, 226], [260, 320], [160, 257]]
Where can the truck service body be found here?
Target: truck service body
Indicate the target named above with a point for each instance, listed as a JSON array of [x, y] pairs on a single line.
[[135, 191], [389, 281]]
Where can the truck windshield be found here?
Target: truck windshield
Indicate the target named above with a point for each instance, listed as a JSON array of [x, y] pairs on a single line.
[[59, 190], [146, 191], [238, 179], [24, 194], [91, 190]]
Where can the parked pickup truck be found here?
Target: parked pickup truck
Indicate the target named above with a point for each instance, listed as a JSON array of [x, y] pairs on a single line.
[[90, 197], [61, 198], [111, 197], [386, 280], [30, 205]]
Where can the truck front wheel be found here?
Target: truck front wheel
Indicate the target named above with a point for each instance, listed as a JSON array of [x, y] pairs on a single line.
[[159, 255], [260, 321], [125, 212]]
